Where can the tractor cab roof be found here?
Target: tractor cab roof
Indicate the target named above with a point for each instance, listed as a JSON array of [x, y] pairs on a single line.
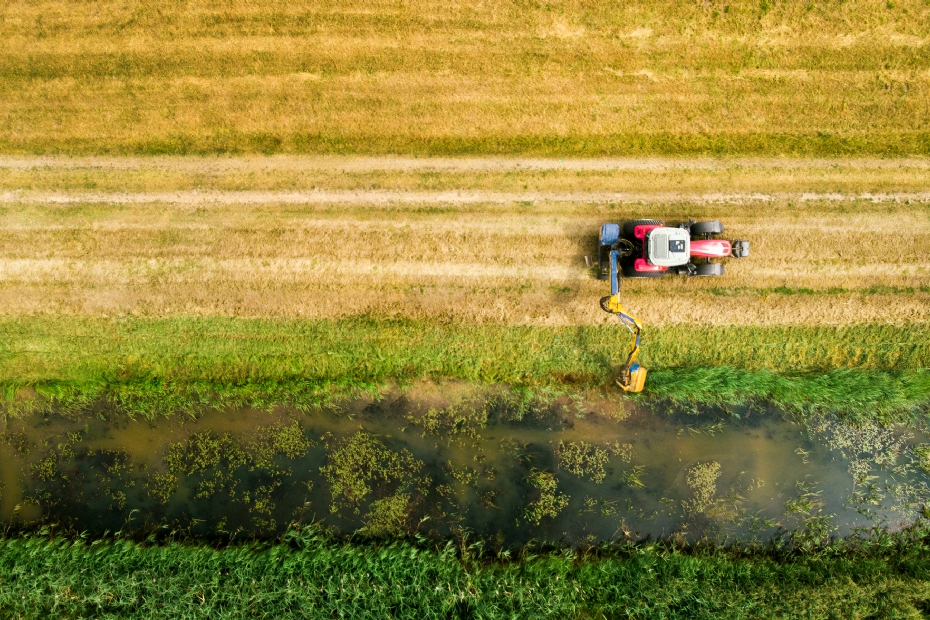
[[668, 247]]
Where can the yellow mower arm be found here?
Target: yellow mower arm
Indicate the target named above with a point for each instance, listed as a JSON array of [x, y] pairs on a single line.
[[632, 376]]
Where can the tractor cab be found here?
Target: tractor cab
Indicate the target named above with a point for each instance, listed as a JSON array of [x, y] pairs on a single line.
[[668, 247]]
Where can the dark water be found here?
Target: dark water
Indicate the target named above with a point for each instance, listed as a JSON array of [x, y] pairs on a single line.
[[433, 464]]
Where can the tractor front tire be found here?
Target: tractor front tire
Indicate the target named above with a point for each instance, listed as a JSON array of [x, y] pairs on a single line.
[[709, 269], [630, 272], [630, 227], [610, 234], [713, 227]]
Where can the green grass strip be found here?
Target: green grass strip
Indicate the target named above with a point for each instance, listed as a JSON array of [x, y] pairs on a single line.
[[310, 575], [846, 367], [877, 396], [232, 142]]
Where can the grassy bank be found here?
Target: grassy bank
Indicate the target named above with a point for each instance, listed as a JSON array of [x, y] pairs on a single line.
[[310, 575], [552, 79], [864, 369]]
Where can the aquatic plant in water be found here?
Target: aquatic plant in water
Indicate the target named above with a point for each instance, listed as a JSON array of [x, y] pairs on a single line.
[[216, 461], [213, 458], [869, 446], [922, 456], [455, 421], [271, 441], [388, 516], [806, 502], [702, 480], [465, 475], [865, 441], [550, 502], [355, 464], [633, 477], [583, 459], [589, 460]]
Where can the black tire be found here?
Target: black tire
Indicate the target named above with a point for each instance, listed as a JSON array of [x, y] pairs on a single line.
[[707, 228], [630, 272], [629, 227], [709, 269]]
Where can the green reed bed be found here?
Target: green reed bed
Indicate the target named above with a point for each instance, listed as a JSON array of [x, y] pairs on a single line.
[[309, 574], [150, 365]]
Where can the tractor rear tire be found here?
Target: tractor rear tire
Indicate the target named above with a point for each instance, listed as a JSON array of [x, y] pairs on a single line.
[[630, 272], [713, 227], [630, 227], [709, 269]]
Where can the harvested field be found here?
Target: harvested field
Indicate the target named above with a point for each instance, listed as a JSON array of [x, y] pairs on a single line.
[[591, 78], [474, 241]]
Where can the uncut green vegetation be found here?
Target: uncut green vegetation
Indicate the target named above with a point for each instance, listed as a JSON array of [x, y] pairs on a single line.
[[311, 575], [551, 78], [878, 367]]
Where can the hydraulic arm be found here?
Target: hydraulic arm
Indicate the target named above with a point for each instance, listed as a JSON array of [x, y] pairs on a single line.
[[632, 376]]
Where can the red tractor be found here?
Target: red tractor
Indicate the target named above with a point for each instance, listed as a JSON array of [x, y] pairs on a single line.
[[650, 249]]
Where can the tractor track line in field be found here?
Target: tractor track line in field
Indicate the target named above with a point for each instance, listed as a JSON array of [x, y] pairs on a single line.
[[448, 164], [287, 268], [453, 197]]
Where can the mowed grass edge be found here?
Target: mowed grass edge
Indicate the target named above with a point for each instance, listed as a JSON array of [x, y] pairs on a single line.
[[868, 370]]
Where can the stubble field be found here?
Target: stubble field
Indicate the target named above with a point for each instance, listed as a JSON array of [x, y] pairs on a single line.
[[519, 78]]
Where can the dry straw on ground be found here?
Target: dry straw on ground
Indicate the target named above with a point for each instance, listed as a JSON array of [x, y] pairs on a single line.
[[854, 254]]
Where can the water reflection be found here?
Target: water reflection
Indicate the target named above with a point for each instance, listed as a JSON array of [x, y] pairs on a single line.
[[437, 462]]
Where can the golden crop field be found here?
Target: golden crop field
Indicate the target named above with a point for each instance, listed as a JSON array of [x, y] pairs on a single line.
[[521, 77]]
